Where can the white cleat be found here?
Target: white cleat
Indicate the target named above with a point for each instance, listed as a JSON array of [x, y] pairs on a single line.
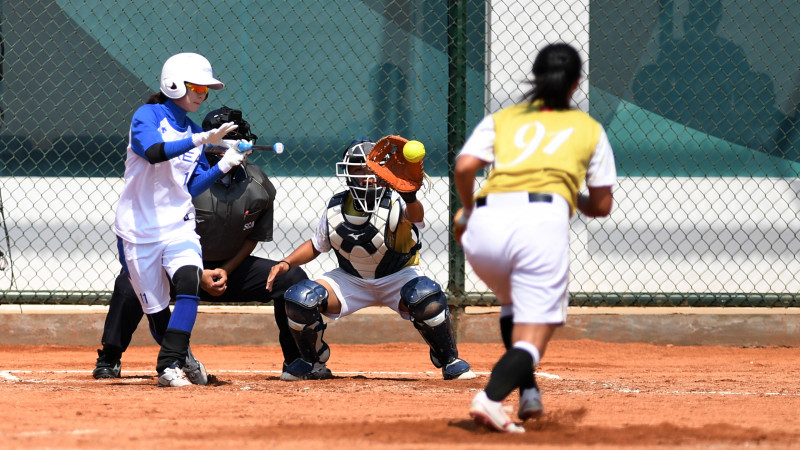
[[173, 376], [194, 370], [492, 415], [530, 404]]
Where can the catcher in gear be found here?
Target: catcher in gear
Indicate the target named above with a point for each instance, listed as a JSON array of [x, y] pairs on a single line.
[[374, 232]]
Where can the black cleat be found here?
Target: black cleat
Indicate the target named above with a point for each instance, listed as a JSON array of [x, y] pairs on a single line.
[[106, 367], [457, 369], [301, 369]]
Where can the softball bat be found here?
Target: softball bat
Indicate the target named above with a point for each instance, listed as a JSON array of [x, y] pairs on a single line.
[[276, 147]]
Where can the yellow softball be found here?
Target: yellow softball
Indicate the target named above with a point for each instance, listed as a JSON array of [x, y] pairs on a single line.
[[413, 151]]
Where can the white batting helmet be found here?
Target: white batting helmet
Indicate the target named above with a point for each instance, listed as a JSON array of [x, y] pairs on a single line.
[[186, 68]]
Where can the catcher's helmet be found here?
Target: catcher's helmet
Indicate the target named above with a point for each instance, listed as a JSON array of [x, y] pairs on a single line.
[[186, 68], [358, 178], [224, 115]]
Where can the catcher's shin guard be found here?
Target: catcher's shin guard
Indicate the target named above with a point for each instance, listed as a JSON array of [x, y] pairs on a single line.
[[427, 306], [304, 301]]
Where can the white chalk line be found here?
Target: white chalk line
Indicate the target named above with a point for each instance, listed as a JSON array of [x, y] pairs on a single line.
[[660, 392], [51, 432], [7, 373], [139, 375]]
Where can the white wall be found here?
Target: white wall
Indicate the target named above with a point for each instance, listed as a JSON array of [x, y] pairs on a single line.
[[664, 235]]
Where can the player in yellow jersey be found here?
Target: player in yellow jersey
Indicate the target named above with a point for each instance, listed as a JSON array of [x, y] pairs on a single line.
[[517, 226]]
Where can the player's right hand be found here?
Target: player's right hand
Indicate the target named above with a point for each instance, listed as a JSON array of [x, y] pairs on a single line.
[[276, 270], [214, 137], [460, 219], [214, 281]]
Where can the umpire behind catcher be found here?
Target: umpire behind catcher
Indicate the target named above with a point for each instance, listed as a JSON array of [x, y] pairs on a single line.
[[232, 217]]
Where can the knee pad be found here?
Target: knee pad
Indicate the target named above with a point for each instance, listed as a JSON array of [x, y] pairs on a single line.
[[304, 301], [187, 280], [425, 301]]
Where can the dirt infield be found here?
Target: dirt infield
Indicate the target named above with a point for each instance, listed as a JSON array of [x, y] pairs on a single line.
[[389, 396]]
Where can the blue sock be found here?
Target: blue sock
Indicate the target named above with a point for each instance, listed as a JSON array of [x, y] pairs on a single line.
[[184, 313]]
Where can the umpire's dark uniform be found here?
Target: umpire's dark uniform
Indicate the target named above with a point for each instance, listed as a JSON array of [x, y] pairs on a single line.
[[227, 215]]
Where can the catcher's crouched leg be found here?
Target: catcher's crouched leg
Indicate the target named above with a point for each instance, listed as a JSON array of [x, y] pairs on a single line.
[[427, 306], [304, 301]]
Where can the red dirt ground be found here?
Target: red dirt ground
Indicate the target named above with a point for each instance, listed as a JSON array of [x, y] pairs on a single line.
[[598, 395]]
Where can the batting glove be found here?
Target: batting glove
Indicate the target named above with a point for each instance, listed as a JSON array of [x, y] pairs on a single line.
[[230, 159], [240, 145], [213, 137]]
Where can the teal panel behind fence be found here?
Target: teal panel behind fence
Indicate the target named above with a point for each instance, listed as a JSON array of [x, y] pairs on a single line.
[[698, 87], [699, 98], [312, 75]]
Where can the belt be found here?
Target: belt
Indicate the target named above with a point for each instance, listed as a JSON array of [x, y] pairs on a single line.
[[533, 197]]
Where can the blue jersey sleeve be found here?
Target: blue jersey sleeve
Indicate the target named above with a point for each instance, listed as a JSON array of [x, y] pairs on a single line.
[[203, 176], [145, 136]]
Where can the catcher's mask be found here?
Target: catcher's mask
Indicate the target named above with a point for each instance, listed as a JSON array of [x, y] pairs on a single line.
[[358, 178]]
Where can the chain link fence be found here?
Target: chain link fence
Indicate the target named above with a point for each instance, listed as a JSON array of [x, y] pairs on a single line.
[[699, 98]]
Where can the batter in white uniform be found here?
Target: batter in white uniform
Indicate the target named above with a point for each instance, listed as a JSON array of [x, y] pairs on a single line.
[[155, 224], [517, 226]]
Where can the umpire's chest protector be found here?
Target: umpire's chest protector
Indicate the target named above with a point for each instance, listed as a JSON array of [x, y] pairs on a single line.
[[230, 211], [362, 249]]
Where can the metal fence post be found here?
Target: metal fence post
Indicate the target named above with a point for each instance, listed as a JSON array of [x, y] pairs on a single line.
[[456, 135]]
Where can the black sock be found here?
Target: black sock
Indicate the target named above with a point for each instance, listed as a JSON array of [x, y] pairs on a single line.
[[513, 370], [528, 381], [506, 327], [174, 347]]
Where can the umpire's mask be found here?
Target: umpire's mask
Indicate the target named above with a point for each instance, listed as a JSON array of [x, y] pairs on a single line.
[[215, 119]]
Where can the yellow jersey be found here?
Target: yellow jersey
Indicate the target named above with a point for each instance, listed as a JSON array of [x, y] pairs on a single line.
[[541, 150]]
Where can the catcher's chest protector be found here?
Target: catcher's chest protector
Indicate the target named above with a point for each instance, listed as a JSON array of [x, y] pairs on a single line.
[[361, 248]]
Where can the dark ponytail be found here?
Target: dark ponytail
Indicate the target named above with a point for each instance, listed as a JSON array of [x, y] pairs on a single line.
[[158, 97], [555, 70]]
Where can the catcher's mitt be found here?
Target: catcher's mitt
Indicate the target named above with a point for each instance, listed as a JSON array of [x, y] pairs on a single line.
[[391, 168]]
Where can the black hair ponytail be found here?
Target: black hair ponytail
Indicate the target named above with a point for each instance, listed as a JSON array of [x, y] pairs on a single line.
[[556, 69]]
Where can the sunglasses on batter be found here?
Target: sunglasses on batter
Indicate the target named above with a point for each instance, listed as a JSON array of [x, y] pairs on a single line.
[[197, 88]]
